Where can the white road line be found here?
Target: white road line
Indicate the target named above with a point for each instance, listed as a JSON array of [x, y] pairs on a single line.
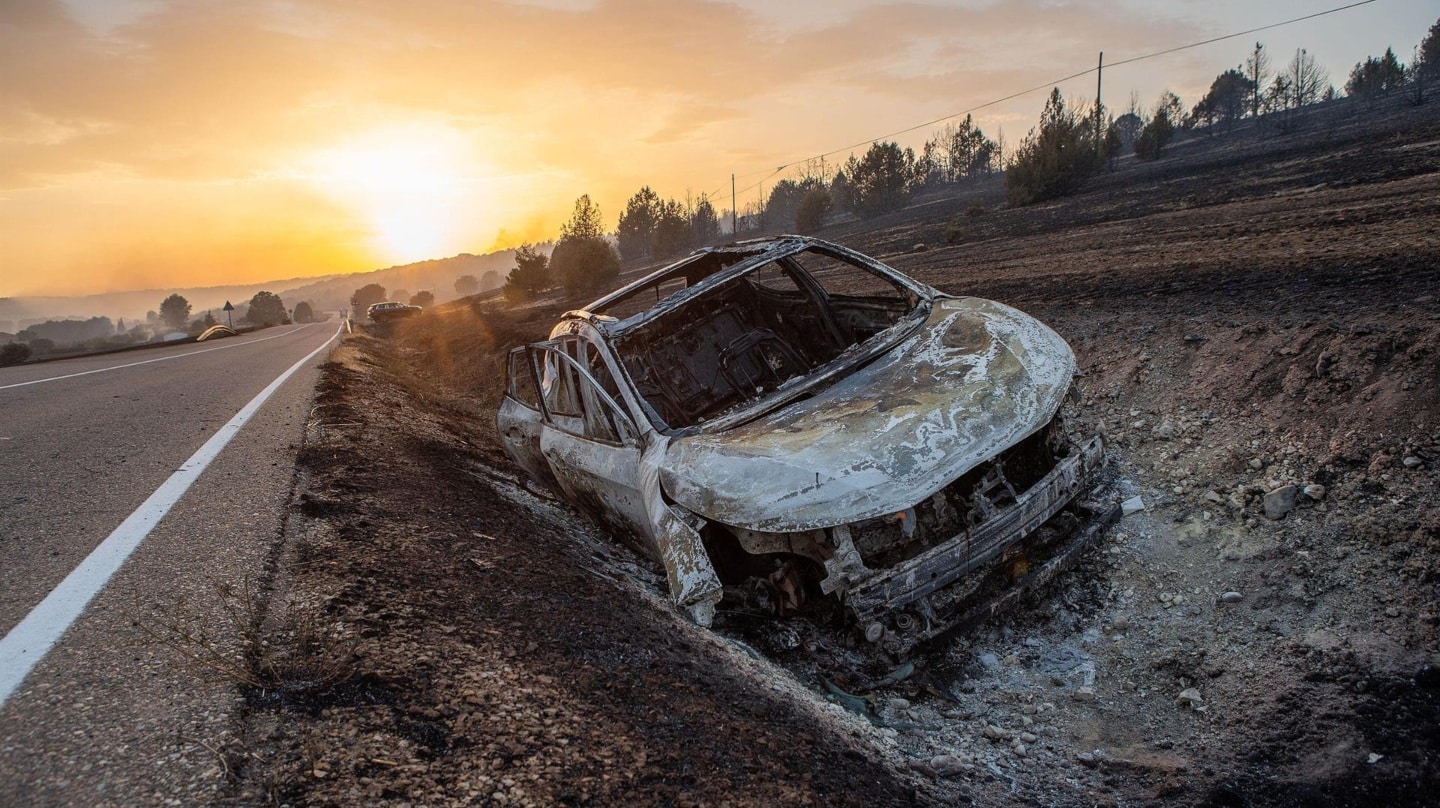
[[28, 642], [148, 361]]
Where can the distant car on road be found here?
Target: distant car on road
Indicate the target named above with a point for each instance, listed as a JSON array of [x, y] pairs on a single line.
[[390, 311], [795, 420]]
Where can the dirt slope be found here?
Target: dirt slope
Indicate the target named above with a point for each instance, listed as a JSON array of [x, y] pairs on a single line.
[[1249, 317], [483, 662]]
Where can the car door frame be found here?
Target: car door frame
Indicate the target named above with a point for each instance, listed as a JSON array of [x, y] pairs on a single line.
[[519, 424], [597, 473]]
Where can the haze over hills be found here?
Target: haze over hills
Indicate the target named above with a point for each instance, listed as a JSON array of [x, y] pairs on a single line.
[[437, 275], [22, 311], [325, 293]]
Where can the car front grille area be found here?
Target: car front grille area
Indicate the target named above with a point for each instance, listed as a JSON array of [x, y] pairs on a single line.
[[963, 504]]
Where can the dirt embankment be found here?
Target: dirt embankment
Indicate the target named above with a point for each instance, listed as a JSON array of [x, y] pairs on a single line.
[[487, 662], [1259, 334]]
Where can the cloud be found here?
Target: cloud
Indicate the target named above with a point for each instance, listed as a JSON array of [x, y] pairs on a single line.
[[202, 93], [215, 89], [36, 15], [192, 100]]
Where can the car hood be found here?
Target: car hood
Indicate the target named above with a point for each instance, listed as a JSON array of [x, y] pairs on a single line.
[[974, 379]]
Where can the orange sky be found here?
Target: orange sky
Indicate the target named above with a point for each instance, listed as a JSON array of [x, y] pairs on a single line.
[[151, 144]]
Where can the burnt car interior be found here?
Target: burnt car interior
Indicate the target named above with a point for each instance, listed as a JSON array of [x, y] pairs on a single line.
[[750, 335]]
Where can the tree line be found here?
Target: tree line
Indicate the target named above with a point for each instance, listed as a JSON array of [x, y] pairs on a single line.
[[465, 286], [263, 310], [585, 260], [1064, 151], [1073, 142], [99, 333]]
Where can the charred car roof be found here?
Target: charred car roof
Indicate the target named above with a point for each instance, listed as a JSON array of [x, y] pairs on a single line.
[[710, 267]]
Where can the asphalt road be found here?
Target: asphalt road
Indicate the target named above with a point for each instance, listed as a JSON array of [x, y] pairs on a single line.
[[108, 716]]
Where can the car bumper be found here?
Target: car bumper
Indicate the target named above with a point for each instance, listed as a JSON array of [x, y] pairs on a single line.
[[886, 591]]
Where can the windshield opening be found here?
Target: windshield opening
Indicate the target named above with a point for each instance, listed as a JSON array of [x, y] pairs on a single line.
[[748, 337], [658, 288]]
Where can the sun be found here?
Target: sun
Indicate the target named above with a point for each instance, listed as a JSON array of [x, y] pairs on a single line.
[[408, 184]]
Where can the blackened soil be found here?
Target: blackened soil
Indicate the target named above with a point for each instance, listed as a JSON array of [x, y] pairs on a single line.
[[489, 666]]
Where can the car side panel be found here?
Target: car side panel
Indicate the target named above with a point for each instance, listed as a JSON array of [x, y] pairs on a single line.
[[602, 479], [519, 428]]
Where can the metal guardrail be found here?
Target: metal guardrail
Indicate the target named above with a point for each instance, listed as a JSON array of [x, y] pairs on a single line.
[[216, 332]]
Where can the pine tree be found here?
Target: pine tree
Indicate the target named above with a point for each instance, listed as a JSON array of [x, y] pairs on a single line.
[[1055, 159], [583, 261], [530, 276], [637, 224]]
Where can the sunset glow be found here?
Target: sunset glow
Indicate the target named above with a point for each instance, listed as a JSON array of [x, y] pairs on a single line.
[[155, 144], [414, 187]]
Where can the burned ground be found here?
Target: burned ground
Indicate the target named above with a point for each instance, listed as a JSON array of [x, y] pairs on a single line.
[[1248, 317], [488, 661]]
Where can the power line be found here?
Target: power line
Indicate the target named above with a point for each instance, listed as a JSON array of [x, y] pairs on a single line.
[[1242, 33], [1054, 82]]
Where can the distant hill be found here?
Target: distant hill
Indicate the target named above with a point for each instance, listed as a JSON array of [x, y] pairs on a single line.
[[23, 311], [438, 276], [329, 292]]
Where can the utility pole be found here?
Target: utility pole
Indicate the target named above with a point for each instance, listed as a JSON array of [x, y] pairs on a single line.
[[1299, 73], [734, 221], [1099, 69], [1255, 78]]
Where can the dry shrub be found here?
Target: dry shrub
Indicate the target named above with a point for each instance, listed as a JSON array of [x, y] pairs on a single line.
[[295, 653]]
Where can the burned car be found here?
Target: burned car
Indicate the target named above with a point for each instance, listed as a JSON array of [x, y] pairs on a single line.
[[789, 421]]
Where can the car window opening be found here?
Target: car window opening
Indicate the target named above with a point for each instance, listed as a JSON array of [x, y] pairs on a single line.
[[577, 404]]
